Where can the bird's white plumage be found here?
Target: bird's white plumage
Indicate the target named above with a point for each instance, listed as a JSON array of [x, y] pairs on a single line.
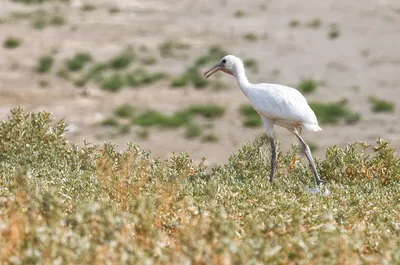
[[282, 103]]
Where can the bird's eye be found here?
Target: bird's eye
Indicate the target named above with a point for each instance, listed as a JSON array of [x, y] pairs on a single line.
[[223, 61]]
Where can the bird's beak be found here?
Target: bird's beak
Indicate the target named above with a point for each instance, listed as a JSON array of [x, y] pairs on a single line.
[[213, 70]]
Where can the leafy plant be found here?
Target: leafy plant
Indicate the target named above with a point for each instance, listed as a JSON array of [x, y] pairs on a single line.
[[307, 85], [45, 64], [334, 31], [251, 117], [12, 42], [332, 113], [380, 105], [78, 61], [113, 83], [122, 61], [193, 131], [125, 111], [250, 37], [169, 48]]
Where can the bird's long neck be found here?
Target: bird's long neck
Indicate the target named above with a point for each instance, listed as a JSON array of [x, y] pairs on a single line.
[[241, 78]]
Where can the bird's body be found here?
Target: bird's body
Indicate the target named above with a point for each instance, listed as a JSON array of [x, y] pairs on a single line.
[[276, 104], [284, 106]]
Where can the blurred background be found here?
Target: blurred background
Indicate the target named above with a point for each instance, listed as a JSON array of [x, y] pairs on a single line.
[[131, 70]]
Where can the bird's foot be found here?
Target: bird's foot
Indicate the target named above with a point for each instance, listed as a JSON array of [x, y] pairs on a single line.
[[320, 182]]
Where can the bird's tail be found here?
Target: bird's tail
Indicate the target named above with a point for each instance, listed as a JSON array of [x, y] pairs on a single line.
[[312, 127]]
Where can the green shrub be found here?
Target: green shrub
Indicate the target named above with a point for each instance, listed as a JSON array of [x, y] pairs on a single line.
[[294, 23], [169, 48], [110, 122], [307, 85], [332, 113], [114, 83], [12, 42], [207, 110], [78, 61], [155, 118], [209, 137], [143, 77], [125, 111], [251, 64], [380, 105], [45, 64], [315, 23], [239, 14], [251, 117], [193, 131], [122, 61], [334, 31], [250, 37]]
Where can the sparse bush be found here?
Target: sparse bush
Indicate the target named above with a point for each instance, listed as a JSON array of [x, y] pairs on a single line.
[[41, 19], [315, 23], [294, 23], [78, 61], [250, 37], [122, 61], [251, 64], [239, 14], [88, 7], [124, 129], [125, 111], [308, 85], [114, 83], [193, 131], [96, 203], [12, 42], [110, 122], [332, 113], [169, 48], [251, 117], [179, 82], [207, 111], [155, 118], [380, 105], [209, 138], [114, 10], [45, 64], [334, 31], [143, 77], [149, 60]]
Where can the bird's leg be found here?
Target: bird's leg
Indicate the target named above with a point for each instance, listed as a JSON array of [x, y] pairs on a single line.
[[310, 158], [273, 159]]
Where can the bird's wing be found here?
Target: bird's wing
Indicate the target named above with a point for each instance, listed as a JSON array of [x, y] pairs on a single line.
[[281, 103]]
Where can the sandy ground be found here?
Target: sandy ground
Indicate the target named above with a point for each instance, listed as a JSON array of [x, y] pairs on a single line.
[[365, 55]]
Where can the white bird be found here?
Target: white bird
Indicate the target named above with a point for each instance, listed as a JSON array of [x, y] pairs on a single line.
[[276, 104]]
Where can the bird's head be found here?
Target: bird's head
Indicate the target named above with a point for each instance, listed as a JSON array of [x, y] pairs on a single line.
[[226, 64]]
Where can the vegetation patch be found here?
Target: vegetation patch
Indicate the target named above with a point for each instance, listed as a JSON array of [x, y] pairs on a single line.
[[78, 61], [12, 43], [251, 117], [335, 112], [125, 111], [113, 83], [334, 31], [307, 85], [88, 200], [45, 64], [170, 48], [380, 105]]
